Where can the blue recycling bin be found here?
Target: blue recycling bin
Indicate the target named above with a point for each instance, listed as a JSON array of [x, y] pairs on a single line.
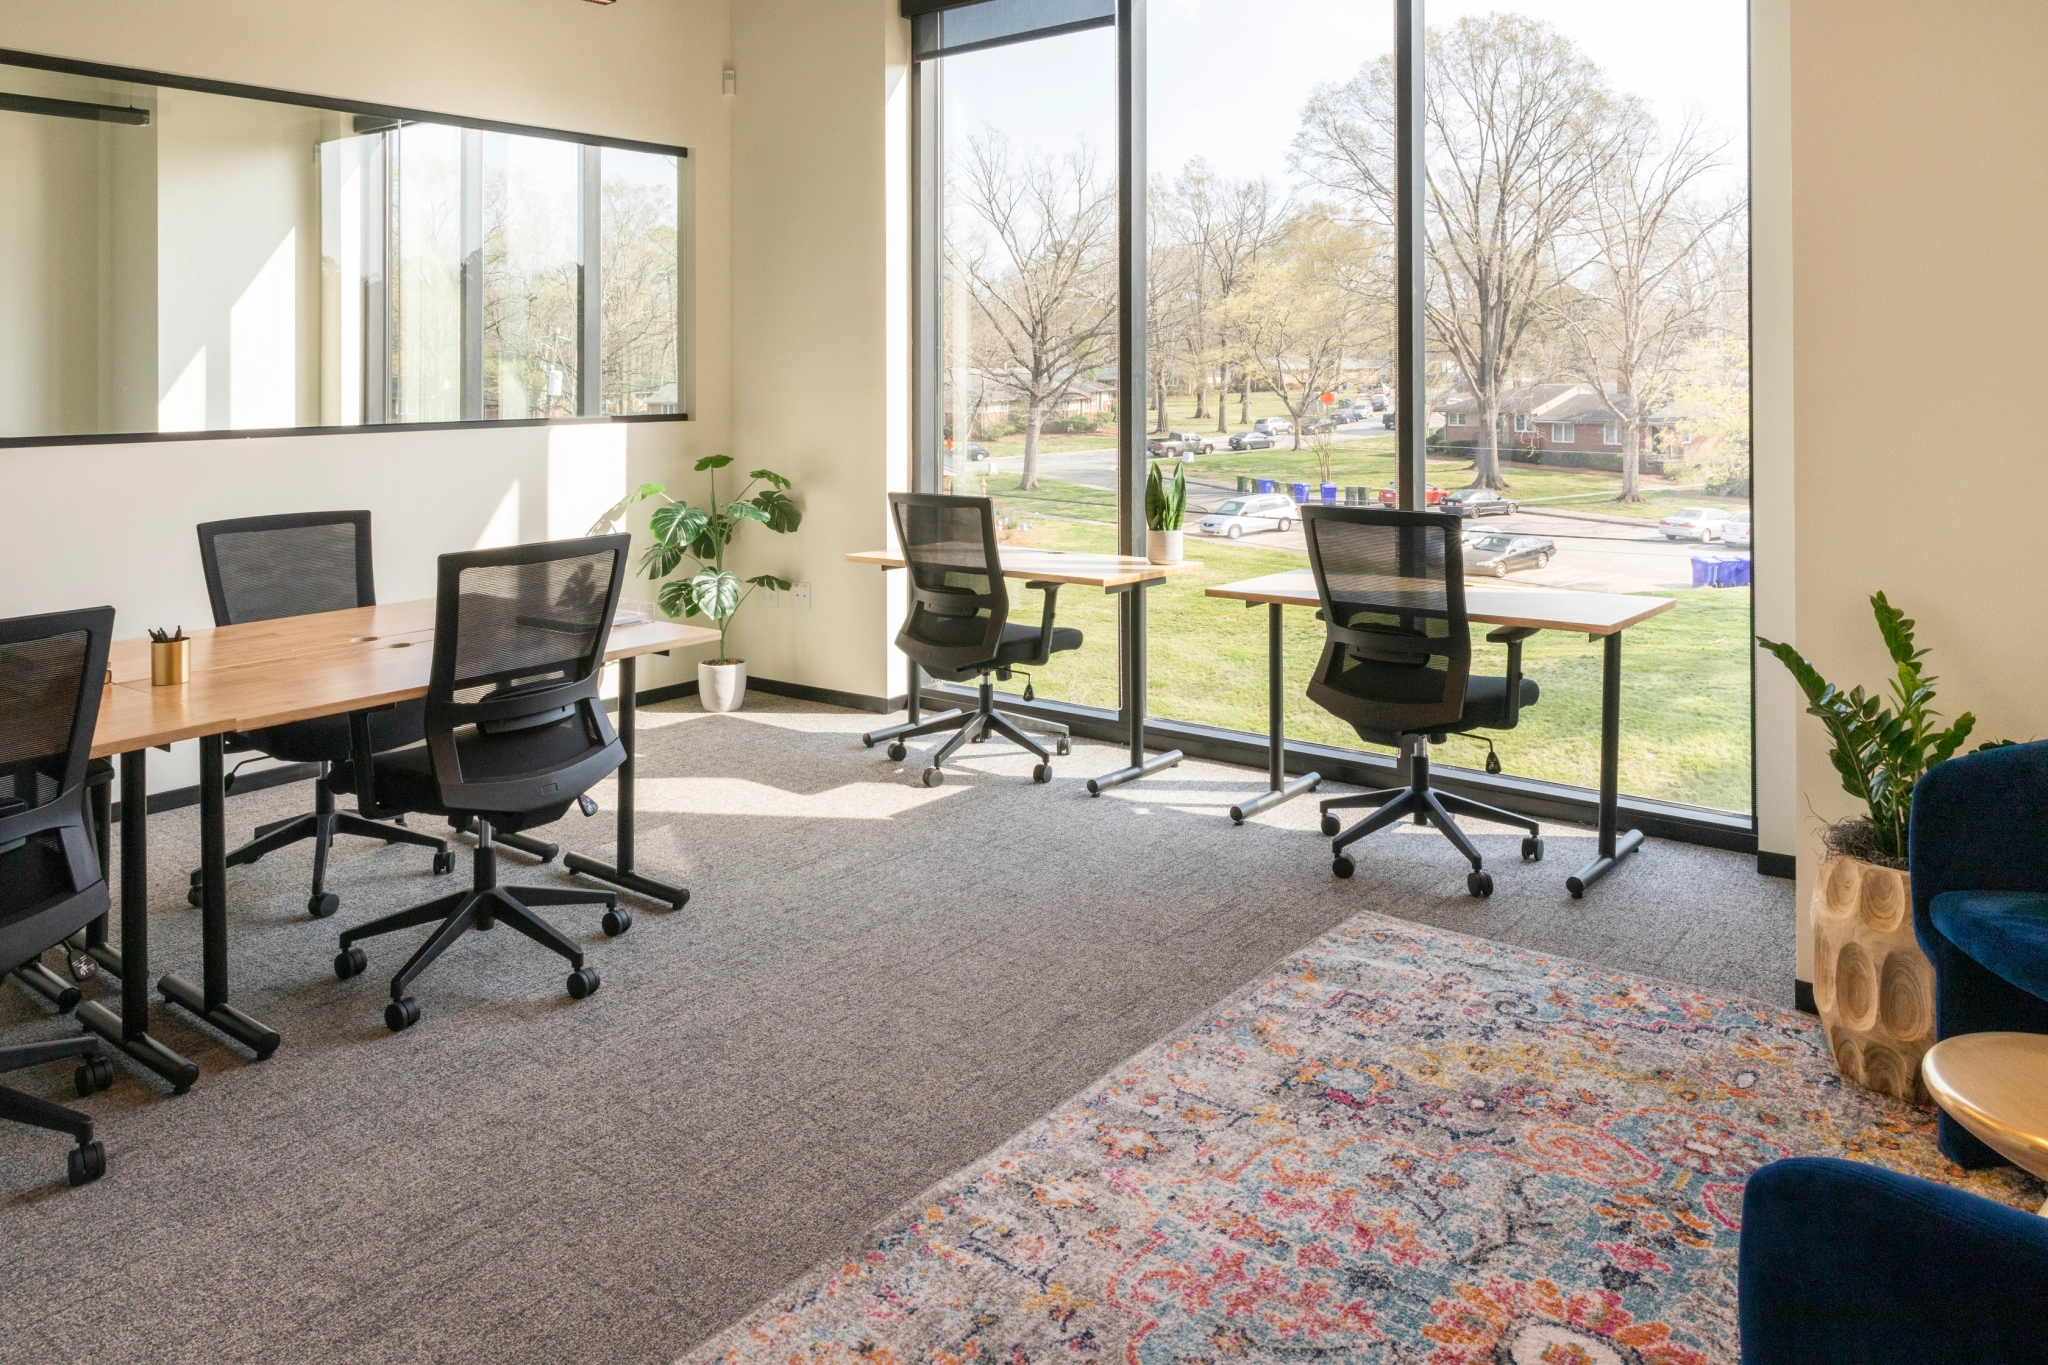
[[1720, 571], [1300, 492], [1265, 485], [1737, 572], [1329, 494]]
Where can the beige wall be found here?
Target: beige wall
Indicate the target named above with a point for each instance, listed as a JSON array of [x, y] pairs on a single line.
[[820, 323], [1920, 191], [113, 523]]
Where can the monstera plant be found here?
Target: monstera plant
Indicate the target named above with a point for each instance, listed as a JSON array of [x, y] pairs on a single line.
[[687, 558]]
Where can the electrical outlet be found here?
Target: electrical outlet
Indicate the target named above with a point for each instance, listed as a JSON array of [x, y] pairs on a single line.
[[771, 597], [802, 593]]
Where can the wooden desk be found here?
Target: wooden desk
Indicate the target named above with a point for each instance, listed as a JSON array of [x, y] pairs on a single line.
[[269, 673], [1128, 575], [1601, 615]]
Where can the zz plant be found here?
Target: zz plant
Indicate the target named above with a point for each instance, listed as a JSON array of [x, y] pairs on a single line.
[[1166, 504], [701, 535], [1880, 751]]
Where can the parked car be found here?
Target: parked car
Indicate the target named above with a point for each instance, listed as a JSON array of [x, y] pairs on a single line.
[[1251, 440], [1431, 496], [1478, 502], [1379, 402], [1353, 412], [1311, 425], [974, 452], [1499, 555], [1273, 426], [1387, 421], [1186, 444], [1703, 524], [1736, 534], [1250, 515]]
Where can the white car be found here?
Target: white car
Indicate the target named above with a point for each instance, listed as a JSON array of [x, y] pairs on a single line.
[[1736, 533], [1248, 515], [1703, 524]]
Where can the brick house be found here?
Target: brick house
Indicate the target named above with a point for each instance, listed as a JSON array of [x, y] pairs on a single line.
[[1555, 424]]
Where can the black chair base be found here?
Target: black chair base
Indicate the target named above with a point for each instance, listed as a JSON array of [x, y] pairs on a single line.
[[1426, 806], [95, 1073], [481, 907], [321, 825], [972, 727]]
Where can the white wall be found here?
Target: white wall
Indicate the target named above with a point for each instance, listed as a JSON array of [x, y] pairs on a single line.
[[90, 524], [1919, 195]]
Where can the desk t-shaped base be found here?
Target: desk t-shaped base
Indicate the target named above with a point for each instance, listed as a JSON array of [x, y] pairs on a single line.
[[1133, 623], [623, 874]]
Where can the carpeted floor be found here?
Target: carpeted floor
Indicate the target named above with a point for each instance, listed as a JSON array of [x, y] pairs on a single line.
[[874, 985], [1402, 1146]]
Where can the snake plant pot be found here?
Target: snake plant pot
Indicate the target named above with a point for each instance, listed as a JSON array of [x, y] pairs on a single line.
[[1873, 986], [1163, 547], [722, 686]]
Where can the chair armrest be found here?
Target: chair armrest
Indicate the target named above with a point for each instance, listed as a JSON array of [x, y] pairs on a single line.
[[1980, 823], [1512, 637], [1052, 597]]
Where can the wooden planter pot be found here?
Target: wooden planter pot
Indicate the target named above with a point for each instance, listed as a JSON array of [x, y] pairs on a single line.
[[1872, 984]]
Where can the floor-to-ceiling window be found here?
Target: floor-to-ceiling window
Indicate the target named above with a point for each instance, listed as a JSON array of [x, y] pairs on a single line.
[[1586, 324]]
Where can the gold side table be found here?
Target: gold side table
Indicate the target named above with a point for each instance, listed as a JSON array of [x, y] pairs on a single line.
[[1996, 1085]]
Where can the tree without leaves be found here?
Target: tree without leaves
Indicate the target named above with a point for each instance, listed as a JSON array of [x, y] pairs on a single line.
[[1041, 270], [1520, 126], [1645, 286], [1229, 225]]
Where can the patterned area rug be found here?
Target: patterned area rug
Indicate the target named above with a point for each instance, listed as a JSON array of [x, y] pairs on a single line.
[[1404, 1147]]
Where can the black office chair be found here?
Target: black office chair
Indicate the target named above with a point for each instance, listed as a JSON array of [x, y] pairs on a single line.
[[1397, 664], [959, 623], [515, 732], [51, 882], [264, 568]]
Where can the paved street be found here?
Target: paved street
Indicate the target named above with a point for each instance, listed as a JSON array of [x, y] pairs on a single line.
[[1604, 554]]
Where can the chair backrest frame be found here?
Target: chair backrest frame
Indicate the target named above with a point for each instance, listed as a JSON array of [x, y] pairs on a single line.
[[933, 600], [221, 593], [1431, 548]]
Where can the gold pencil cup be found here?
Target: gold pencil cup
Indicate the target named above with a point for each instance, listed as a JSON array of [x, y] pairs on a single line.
[[170, 662]]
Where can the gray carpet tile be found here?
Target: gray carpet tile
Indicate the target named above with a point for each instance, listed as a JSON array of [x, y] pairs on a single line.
[[873, 984]]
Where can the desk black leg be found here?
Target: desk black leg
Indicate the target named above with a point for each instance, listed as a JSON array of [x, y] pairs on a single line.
[[130, 1032], [211, 1004], [1613, 848], [1278, 788], [623, 875], [1134, 701]]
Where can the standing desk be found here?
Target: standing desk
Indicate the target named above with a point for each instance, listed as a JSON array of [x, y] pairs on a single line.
[[1603, 616], [268, 673], [1127, 575]]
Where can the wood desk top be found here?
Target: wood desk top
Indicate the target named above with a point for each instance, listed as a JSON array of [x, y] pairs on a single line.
[[273, 672], [1059, 566], [1589, 613]]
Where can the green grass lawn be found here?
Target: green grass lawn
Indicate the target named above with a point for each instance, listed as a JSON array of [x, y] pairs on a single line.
[[1686, 687]]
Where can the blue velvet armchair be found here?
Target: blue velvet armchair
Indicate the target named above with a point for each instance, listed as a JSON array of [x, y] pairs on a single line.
[[1847, 1264], [1979, 854]]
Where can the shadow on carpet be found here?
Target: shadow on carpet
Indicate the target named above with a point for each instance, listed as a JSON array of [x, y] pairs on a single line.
[[1404, 1146]]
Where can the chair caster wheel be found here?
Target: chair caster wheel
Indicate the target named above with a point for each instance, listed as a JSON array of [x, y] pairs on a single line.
[[1331, 824], [933, 777], [444, 863], [897, 752], [1532, 850], [1063, 748], [582, 983], [323, 904], [1342, 865], [1042, 773], [401, 1015], [350, 962], [617, 920], [94, 1074], [1480, 884], [88, 1163], [193, 898]]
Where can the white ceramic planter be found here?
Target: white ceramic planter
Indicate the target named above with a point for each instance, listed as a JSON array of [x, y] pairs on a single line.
[[722, 687], [1163, 547]]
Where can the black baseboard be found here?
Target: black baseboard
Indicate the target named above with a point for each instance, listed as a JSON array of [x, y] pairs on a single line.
[[1802, 997], [655, 695], [825, 696], [177, 798], [1785, 865]]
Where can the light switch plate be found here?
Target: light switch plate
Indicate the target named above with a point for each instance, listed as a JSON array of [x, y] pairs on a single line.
[[802, 593]]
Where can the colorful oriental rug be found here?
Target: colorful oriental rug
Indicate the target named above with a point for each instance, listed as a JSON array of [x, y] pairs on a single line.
[[1403, 1147]]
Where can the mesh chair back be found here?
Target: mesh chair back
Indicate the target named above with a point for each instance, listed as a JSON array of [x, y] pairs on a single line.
[[52, 672], [1398, 649], [262, 568], [519, 641], [958, 602]]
